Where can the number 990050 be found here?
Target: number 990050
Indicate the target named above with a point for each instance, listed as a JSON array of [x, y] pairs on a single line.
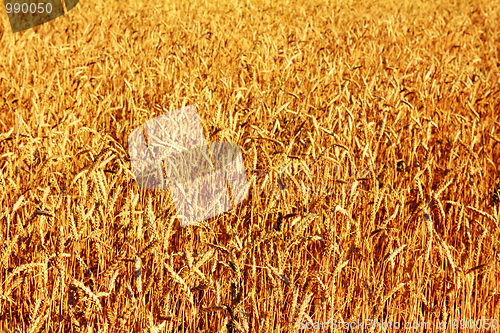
[[26, 8]]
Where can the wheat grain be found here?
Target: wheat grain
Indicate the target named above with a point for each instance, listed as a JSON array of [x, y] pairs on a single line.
[[412, 214], [93, 297]]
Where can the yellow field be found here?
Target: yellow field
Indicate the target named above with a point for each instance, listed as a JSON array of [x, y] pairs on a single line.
[[370, 133]]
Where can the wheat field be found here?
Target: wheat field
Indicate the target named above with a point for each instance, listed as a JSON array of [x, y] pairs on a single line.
[[370, 132]]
